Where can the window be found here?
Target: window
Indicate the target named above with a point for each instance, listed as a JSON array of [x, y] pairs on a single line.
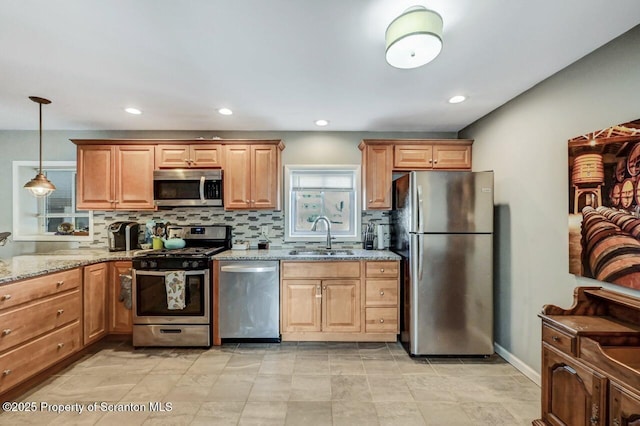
[[331, 191], [39, 219]]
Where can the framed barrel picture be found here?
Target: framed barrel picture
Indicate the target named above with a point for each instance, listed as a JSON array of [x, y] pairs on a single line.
[[604, 205]]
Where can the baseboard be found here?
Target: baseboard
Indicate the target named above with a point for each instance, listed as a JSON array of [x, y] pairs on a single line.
[[517, 363]]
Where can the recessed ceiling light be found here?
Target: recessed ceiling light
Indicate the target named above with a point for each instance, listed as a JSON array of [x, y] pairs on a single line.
[[321, 123], [135, 111], [457, 99], [225, 111]]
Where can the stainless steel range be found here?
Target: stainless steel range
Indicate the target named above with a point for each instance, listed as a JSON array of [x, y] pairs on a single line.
[[172, 289]]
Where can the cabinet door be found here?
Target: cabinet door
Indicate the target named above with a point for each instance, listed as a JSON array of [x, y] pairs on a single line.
[[171, 156], [412, 157], [341, 305], [572, 393], [237, 177], [95, 302], [205, 156], [451, 157], [301, 305], [624, 407], [120, 318], [264, 177], [378, 174], [134, 177], [96, 170]]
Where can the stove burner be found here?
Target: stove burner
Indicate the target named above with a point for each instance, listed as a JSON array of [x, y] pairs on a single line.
[[184, 252]]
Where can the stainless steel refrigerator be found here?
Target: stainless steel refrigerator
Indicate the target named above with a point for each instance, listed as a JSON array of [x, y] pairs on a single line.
[[442, 225]]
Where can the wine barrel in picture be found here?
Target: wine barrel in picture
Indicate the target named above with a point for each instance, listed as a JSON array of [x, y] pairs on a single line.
[[621, 170], [622, 270], [612, 246], [627, 193], [615, 194], [587, 169]]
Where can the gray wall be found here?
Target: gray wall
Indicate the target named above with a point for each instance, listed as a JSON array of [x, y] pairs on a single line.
[[525, 142], [301, 148]]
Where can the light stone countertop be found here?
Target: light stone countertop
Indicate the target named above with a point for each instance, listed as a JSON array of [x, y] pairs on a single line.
[[283, 254], [33, 265]]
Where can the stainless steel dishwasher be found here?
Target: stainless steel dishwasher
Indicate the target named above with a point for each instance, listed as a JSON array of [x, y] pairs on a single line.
[[249, 300]]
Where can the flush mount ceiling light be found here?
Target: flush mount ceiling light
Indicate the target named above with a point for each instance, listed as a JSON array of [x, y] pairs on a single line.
[[457, 99], [225, 111], [414, 38], [134, 111], [321, 123], [40, 186]]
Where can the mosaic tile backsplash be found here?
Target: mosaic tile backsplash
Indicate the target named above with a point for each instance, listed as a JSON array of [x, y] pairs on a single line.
[[247, 225]]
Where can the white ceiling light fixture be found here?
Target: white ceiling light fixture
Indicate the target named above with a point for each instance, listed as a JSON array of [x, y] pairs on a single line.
[[414, 38], [321, 123], [225, 111], [134, 111], [40, 186], [457, 99]]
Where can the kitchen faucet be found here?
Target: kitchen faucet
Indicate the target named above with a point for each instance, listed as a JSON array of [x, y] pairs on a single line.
[[315, 224]]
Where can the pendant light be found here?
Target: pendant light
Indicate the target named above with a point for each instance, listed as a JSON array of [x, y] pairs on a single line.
[[40, 186], [414, 38]]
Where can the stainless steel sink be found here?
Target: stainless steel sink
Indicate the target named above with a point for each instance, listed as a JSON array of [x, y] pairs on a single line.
[[321, 252]]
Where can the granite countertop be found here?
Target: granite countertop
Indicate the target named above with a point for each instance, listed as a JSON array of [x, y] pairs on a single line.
[[33, 265], [283, 254]]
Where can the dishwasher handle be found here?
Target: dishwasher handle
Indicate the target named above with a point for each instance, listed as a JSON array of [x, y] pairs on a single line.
[[240, 268]]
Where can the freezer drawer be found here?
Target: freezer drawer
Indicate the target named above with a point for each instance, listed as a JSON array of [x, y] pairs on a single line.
[[249, 300]]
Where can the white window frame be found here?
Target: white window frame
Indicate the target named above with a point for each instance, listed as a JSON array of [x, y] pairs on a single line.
[[290, 209], [25, 204]]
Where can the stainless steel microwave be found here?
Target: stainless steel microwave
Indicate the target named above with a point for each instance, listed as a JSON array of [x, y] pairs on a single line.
[[187, 187]]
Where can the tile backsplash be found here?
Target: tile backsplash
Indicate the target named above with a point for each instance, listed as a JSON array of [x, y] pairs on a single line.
[[246, 224]]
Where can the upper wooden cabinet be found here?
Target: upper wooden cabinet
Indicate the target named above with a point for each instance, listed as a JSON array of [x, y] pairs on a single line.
[[115, 177], [380, 157], [183, 156], [252, 175]]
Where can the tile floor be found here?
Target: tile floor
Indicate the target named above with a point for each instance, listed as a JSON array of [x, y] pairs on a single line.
[[290, 383]]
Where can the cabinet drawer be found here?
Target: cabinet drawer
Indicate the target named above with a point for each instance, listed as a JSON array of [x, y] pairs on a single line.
[[36, 288], [381, 293], [28, 360], [558, 339], [386, 269], [336, 269], [381, 320], [33, 319]]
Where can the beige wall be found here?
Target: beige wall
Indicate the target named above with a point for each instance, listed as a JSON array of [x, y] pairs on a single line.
[[525, 142]]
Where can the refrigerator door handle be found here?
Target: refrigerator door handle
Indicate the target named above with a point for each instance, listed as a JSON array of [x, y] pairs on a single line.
[[419, 254], [419, 210]]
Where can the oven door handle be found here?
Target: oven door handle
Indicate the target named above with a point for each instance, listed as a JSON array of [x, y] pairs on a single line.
[[163, 273], [234, 268]]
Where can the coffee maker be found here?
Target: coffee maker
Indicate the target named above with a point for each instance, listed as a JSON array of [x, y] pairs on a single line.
[[123, 236]]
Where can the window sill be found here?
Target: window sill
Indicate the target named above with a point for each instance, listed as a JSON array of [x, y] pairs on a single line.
[[60, 238]]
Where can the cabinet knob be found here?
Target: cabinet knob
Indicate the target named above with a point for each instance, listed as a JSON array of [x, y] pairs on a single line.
[[60, 283], [616, 422], [60, 311], [555, 338], [381, 320], [6, 372], [594, 420], [430, 160], [60, 345], [6, 297], [6, 331], [435, 161], [381, 292], [371, 201], [324, 287], [381, 269]]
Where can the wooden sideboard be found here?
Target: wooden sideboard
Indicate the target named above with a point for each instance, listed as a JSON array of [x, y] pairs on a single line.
[[591, 360]]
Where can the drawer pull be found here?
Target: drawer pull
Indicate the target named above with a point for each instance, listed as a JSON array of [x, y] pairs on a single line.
[[60, 311], [6, 331], [60, 283], [60, 345], [6, 297], [381, 292], [555, 338], [381, 320], [6, 372]]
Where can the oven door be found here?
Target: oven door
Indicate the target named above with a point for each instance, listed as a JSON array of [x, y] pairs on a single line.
[[150, 305]]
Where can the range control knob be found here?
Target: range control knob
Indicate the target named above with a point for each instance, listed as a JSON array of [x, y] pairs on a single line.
[[143, 264], [195, 264], [185, 264], [153, 264]]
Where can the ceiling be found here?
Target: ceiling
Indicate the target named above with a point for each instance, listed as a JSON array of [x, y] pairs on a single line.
[[281, 64]]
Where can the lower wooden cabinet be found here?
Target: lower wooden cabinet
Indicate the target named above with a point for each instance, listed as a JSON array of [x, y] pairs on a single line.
[[95, 302], [624, 406], [338, 300], [573, 394], [120, 317]]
